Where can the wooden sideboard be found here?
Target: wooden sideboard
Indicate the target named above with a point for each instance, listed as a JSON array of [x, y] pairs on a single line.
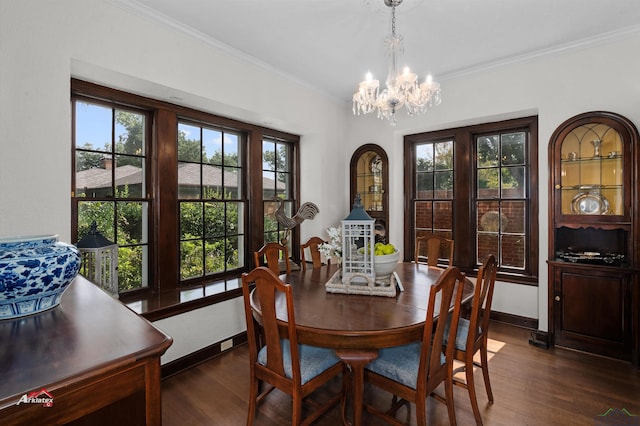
[[96, 359]]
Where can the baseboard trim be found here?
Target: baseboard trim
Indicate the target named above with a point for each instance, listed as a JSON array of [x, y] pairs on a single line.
[[515, 320], [184, 363]]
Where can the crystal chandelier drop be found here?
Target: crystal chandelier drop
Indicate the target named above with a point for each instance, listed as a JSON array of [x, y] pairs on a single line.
[[402, 89]]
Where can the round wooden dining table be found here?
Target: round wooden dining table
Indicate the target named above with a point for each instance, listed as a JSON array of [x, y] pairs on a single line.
[[357, 326]]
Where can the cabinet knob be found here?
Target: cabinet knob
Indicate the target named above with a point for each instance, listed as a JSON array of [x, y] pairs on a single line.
[[557, 298], [558, 186]]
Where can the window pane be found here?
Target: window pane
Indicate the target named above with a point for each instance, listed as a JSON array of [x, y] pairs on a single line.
[[232, 252], [129, 176], [513, 251], [129, 133], [214, 255], [268, 155], [424, 215], [513, 145], [488, 243], [443, 213], [282, 162], [513, 182], [515, 213], [189, 146], [488, 183], [231, 149], [444, 155], [232, 183], [214, 219], [424, 157], [189, 185], [101, 212], [130, 267], [191, 265], [233, 218], [269, 182], [94, 176], [489, 218], [191, 220], [211, 182], [211, 146], [424, 185], [444, 184], [488, 151], [270, 223], [283, 185], [93, 127], [131, 224]]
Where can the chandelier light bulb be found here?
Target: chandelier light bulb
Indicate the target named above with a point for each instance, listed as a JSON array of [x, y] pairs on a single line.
[[401, 89]]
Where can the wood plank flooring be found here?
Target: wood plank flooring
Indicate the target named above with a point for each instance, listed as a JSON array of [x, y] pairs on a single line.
[[531, 386]]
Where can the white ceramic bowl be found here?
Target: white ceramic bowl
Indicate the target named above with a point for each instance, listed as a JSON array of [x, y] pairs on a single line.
[[384, 265]]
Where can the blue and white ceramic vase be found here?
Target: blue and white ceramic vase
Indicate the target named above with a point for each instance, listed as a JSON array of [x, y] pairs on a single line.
[[34, 272]]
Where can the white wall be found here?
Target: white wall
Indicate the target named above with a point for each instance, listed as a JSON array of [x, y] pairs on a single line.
[[201, 327], [556, 87], [43, 44]]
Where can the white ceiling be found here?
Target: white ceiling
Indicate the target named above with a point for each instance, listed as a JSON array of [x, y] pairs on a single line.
[[330, 44]]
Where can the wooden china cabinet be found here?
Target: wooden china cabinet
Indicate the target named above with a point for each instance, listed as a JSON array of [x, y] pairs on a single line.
[[370, 179], [593, 236]]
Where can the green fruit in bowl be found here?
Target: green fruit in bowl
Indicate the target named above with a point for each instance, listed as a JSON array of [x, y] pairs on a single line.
[[388, 249]]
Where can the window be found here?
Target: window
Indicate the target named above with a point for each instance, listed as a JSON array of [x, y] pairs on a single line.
[[433, 206], [110, 184], [172, 187], [478, 186], [211, 198], [277, 173]]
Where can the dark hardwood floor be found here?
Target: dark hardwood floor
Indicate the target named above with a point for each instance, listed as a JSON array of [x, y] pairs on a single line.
[[531, 386]]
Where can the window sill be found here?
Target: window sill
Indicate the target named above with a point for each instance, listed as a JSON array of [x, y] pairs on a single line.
[[158, 305]]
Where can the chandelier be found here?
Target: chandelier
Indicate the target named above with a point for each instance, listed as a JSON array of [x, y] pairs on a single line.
[[402, 89]]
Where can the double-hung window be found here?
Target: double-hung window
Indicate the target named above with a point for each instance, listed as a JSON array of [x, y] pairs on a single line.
[[111, 158], [478, 186], [278, 188], [211, 200]]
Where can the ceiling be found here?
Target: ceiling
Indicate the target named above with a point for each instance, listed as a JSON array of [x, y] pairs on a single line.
[[331, 44]]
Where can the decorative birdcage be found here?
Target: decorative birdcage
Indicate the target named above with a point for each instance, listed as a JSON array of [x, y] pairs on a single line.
[[357, 274], [99, 260], [358, 238]]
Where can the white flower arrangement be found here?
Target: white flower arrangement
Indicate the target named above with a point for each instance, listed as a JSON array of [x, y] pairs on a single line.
[[333, 248]]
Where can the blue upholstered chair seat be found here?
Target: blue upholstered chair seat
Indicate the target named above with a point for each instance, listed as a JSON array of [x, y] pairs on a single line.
[[400, 363], [461, 334], [313, 360]]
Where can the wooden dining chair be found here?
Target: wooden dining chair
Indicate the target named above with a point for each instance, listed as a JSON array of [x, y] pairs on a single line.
[[276, 358], [472, 335], [273, 252], [316, 258], [430, 248], [412, 372]]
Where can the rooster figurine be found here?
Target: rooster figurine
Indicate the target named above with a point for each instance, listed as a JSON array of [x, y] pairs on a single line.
[[306, 211]]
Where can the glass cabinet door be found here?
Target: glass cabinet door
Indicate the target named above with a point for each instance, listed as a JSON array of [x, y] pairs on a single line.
[[370, 179], [592, 171]]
